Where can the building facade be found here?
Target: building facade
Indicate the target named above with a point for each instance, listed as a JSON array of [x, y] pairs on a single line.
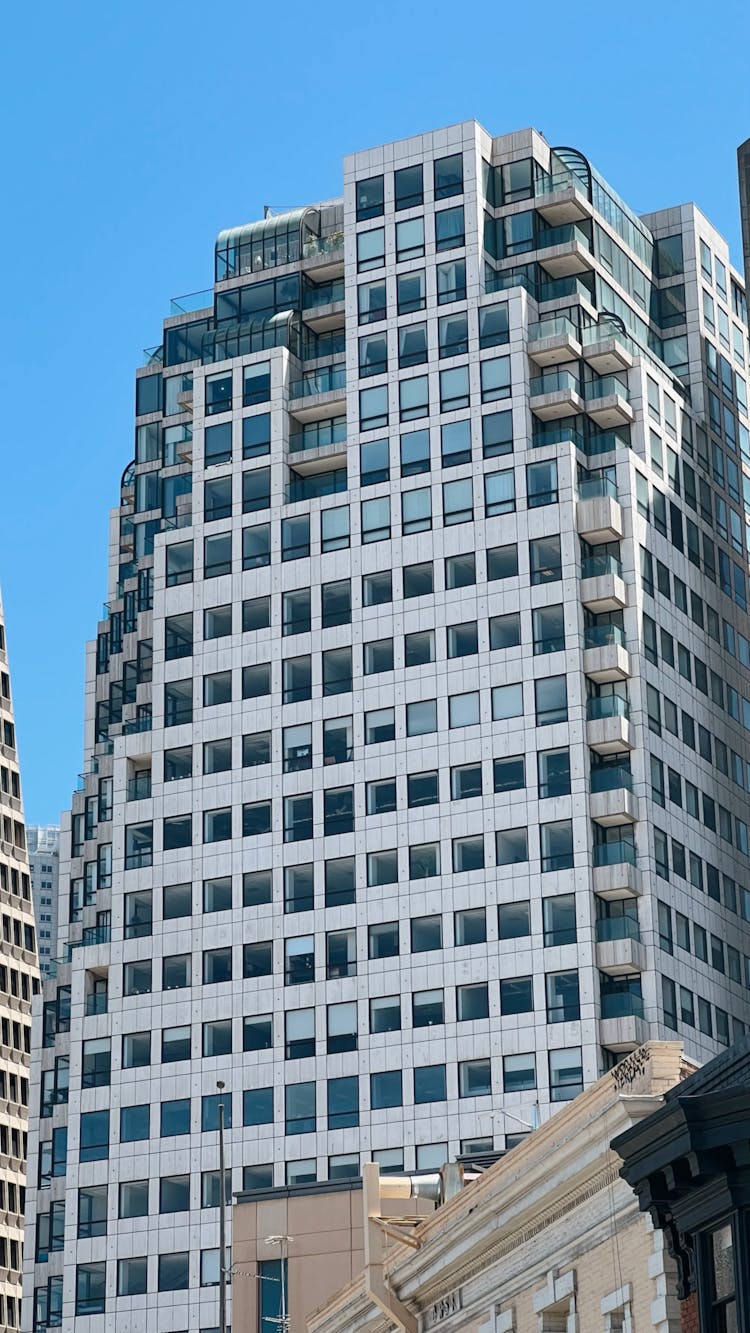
[[43, 846], [416, 734], [19, 981], [547, 1239]]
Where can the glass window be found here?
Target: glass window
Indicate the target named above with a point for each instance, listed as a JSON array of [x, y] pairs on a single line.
[[411, 294], [374, 464], [463, 709], [494, 327], [421, 789], [134, 1123], [370, 198], [371, 301], [455, 442], [502, 562], [500, 492], [448, 176], [516, 995], [513, 920], [429, 1084], [557, 845], [507, 702], [460, 571], [256, 549], [412, 345], [409, 239], [385, 1090], [551, 700], [519, 1072], [470, 926], [472, 1002], [454, 389], [418, 580], [474, 1078], [376, 520], [421, 717], [541, 484], [407, 187], [373, 354], [458, 502], [560, 920], [505, 631], [256, 435], [416, 510], [426, 934], [413, 399], [545, 560], [370, 249], [509, 773], [449, 228]]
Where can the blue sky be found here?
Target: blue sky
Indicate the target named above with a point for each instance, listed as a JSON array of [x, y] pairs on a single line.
[[134, 132]]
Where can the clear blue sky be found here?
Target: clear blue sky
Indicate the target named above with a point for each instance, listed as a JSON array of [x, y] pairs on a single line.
[[133, 132]]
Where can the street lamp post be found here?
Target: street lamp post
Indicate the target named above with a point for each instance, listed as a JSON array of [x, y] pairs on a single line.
[[222, 1222]]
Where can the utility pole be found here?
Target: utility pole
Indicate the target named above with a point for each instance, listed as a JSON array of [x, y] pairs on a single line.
[[222, 1222]]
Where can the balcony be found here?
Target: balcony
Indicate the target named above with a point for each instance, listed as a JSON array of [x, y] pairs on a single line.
[[557, 393], [324, 255], [623, 1034], [605, 654], [612, 801], [607, 724], [598, 512], [319, 394], [323, 305], [560, 199], [96, 1003], [619, 951], [606, 349], [139, 785], [565, 250], [602, 584], [319, 445], [608, 402], [553, 341], [616, 874]]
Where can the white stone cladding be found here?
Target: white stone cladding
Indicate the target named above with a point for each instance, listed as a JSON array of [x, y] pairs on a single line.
[[418, 1133]]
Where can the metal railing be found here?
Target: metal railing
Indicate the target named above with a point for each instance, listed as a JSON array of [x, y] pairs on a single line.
[[607, 705], [617, 928], [611, 777], [595, 566], [618, 852], [603, 636], [595, 488]]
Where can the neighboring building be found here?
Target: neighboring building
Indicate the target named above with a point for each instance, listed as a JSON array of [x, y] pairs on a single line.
[[19, 980], [689, 1164], [743, 163], [43, 844], [548, 1238], [416, 732], [311, 1237]]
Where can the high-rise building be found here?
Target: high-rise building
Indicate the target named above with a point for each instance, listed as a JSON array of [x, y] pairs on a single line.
[[19, 980], [43, 845], [417, 751]]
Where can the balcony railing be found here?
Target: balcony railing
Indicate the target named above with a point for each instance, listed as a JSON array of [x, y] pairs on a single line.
[[139, 787], [554, 381], [96, 1003], [596, 488], [137, 724], [607, 705], [323, 245], [603, 636], [621, 1004], [615, 853], [604, 387], [617, 928], [326, 293], [558, 433], [557, 326], [566, 234], [596, 566], [563, 287], [320, 381], [611, 777]]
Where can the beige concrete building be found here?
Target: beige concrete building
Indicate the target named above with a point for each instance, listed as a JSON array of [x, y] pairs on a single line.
[[318, 1233], [19, 980], [549, 1238]]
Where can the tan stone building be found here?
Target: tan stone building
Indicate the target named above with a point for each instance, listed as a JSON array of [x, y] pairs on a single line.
[[548, 1238]]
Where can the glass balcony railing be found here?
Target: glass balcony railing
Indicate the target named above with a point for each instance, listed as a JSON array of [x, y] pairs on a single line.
[[557, 432], [621, 1004], [317, 485], [607, 705], [96, 1004], [502, 282], [139, 787], [603, 442], [604, 387], [559, 326], [617, 928], [559, 180], [136, 725], [323, 245], [554, 381], [320, 381], [595, 566], [616, 853], [318, 434], [603, 636], [563, 287], [611, 777], [192, 301], [566, 234], [596, 488], [326, 293]]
